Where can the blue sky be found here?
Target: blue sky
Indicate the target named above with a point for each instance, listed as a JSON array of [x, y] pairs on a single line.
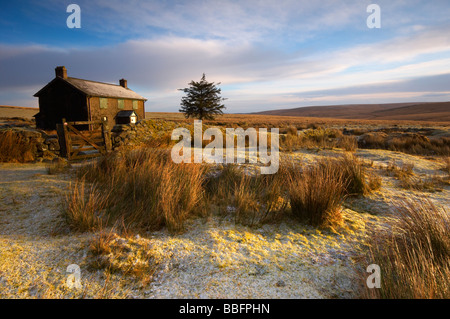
[[267, 54]]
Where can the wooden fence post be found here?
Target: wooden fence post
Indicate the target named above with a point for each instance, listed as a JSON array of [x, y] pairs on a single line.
[[63, 139], [67, 139], [106, 135]]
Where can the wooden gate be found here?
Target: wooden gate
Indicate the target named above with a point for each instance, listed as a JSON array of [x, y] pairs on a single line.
[[79, 144]]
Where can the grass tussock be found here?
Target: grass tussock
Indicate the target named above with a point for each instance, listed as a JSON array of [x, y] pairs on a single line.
[[317, 192], [358, 180], [134, 257], [415, 257], [146, 189], [425, 184], [58, 166], [400, 170], [359, 131], [314, 137], [322, 138], [373, 141], [160, 141], [316, 195], [313, 194], [404, 173], [254, 199], [348, 143], [14, 148], [291, 130], [290, 142], [415, 144], [374, 182], [419, 145], [446, 167], [353, 173], [84, 206]]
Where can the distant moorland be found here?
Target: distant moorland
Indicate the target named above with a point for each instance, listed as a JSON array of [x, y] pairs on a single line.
[[398, 113], [435, 112]]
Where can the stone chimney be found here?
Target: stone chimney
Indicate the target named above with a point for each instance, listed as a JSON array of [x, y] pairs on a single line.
[[60, 71], [123, 83]]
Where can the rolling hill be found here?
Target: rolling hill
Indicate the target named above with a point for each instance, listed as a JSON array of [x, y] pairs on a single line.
[[18, 111], [434, 111]]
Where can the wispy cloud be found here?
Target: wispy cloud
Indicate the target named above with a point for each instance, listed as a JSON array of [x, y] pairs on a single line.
[[265, 53], [248, 20]]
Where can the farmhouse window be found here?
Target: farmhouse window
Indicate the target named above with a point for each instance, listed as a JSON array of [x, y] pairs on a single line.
[[135, 104], [103, 103], [120, 103]]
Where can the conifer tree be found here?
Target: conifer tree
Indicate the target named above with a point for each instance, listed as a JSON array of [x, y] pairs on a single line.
[[202, 100]]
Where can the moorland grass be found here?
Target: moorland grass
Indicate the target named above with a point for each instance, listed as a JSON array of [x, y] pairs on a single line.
[[143, 188], [316, 195], [414, 255], [415, 144], [14, 148]]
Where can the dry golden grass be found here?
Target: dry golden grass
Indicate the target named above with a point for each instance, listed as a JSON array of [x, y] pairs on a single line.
[[58, 166], [14, 148], [144, 188], [408, 180], [317, 132], [374, 182], [291, 142], [7, 111], [317, 137], [414, 257], [161, 141], [373, 141], [358, 180], [129, 256], [426, 184], [348, 143], [255, 199], [420, 145], [316, 195], [415, 144], [446, 167], [400, 171], [312, 138], [84, 206], [438, 111], [291, 130], [257, 120]]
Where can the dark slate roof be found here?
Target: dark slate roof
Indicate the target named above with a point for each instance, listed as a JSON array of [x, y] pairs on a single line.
[[92, 88], [126, 113]]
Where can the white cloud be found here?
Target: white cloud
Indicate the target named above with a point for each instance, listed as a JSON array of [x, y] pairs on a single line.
[[252, 73], [232, 20]]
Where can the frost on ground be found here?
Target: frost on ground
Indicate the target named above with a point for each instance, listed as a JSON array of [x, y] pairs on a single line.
[[213, 258]]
